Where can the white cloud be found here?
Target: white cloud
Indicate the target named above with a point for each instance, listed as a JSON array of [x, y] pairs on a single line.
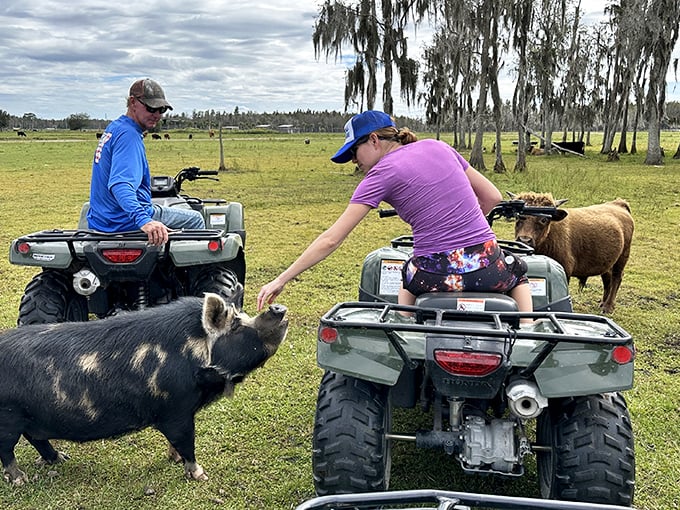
[[59, 58]]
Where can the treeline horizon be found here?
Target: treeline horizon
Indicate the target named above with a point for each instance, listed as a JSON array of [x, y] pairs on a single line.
[[304, 121]]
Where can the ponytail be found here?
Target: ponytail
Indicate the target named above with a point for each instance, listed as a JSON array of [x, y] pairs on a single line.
[[406, 136], [403, 135]]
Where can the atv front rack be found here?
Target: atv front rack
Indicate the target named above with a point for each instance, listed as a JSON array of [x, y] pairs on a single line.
[[445, 500]]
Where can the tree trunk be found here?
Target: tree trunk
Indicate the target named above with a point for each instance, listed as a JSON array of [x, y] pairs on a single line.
[[663, 27], [222, 167], [498, 166], [477, 156], [522, 15], [623, 145]]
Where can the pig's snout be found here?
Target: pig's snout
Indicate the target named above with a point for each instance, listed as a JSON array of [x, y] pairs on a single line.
[[277, 311]]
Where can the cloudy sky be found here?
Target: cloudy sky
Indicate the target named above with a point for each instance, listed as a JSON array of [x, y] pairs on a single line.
[[58, 58]]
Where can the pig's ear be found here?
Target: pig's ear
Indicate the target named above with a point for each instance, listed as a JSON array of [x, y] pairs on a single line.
[[217, 315], [237, 297]]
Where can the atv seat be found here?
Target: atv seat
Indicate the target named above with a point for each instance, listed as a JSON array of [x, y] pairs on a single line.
[[82, 221], [470, 301]]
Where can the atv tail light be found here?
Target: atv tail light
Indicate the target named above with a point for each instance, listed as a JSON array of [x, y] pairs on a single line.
[[214, 246], [475, 364], [622, 354], [328, 335], [122, 255], [24, 248]]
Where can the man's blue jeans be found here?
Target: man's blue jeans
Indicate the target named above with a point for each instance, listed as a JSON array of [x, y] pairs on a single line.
[[178, 217]]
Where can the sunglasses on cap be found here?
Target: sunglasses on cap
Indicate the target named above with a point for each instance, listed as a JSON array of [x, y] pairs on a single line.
[[160, 109]]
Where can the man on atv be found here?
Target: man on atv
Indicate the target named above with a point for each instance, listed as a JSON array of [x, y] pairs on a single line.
[[120, 191]]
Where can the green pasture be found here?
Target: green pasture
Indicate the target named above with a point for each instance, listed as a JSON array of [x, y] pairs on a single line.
[[256, 447]]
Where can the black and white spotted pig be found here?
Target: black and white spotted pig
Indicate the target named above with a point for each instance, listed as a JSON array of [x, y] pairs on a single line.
[[83, 381]]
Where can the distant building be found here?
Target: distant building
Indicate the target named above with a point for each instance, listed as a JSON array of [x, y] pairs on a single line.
[[287, 128]]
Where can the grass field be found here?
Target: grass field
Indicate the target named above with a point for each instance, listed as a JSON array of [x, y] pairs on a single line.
[[256, 447]]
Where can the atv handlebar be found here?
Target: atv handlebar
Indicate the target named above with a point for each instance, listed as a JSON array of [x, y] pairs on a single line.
[[191, 174], [386, 213], [513, 209], [508, 209]]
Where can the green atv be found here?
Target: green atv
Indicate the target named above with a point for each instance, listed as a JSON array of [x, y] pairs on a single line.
[[90, 272], [495, 391]]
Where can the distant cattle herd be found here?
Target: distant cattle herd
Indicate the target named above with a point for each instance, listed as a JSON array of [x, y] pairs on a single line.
[[154, 136], [532, 148]]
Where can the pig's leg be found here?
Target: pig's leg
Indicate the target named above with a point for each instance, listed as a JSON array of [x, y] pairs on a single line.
[[173, 455], [11, 471], [181, 435], [13, 474], [48, 455]]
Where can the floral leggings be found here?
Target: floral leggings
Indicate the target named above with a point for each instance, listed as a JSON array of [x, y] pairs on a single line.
[[479, 268]]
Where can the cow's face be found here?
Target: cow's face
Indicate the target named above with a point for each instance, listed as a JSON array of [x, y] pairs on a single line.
[[534, 230], [531, 230]]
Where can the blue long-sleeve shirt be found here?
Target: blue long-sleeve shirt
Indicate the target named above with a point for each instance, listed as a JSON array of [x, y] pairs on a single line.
[[120, 190]]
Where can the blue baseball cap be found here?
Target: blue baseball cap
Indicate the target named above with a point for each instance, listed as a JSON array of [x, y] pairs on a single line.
[[359, 126]]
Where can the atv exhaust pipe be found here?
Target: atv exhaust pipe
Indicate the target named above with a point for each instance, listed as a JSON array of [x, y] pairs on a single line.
[[525, 400], [85, 282]]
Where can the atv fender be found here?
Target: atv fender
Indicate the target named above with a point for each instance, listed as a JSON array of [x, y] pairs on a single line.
[[185, 253]]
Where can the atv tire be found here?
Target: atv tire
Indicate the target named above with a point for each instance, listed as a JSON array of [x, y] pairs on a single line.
[[49, 297], [350, 449], [218, 279], [591, 457]]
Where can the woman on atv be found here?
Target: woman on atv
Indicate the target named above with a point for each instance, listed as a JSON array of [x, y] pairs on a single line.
[[444, 200]]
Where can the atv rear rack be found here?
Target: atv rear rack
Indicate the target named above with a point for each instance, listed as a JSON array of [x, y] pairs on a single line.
[[79, 236], [487, 324], [132, 235]]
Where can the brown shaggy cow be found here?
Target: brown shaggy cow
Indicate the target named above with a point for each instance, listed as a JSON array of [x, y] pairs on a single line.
[[586, 241]]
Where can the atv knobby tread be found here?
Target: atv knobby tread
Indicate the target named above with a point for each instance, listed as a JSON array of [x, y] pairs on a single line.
[[48, 298], [350, 452], [216, 278], [594, 455]]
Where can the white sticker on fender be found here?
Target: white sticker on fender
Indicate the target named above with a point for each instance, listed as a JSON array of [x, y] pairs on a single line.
[[218, 219], [538, 286], [390, 277]]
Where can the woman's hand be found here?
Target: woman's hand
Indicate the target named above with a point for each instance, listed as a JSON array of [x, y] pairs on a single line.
[[269, 292]]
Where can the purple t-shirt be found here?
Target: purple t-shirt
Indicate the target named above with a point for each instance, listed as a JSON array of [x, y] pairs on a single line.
[[425, 183]]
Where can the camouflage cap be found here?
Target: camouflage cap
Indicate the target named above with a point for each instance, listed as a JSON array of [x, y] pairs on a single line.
[[150, 93]]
